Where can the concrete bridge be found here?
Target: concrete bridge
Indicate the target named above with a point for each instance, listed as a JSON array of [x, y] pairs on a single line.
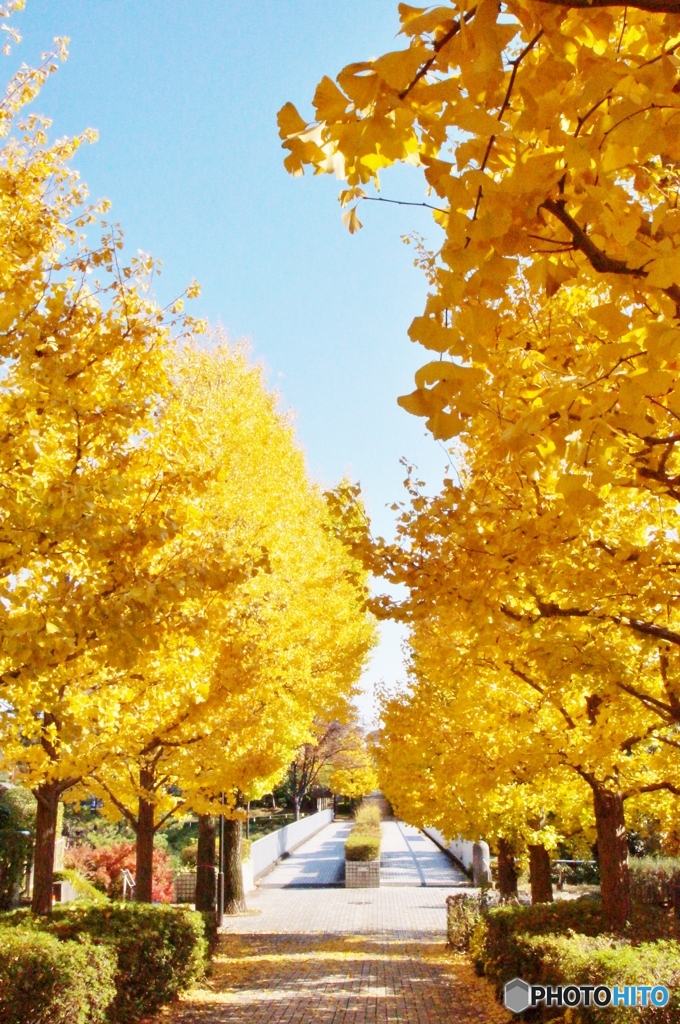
[[408, 858]]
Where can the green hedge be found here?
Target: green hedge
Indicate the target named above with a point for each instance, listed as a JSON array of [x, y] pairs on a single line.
[[599, 960], [561, 943], [363, 842], [492, 944], [160, 950], [45, 981], [362, 847]]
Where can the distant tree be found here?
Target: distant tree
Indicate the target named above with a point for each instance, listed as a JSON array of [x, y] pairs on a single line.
[[338, 759]]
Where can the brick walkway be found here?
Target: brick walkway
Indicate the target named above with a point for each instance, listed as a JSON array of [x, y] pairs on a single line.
[[339, 956], [312, 952], [332, 979]]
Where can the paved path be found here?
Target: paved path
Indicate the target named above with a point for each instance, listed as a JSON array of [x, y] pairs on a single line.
[[318, 862], [407, 858], [309, 951], [397, 911], [339, 956]]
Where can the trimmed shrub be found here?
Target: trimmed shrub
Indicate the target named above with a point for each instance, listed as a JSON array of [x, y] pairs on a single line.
[[363, 842], [493, 942], [600, 960], [360, 846], [561, 943], [44, 981], [160, 950], [655, 880]]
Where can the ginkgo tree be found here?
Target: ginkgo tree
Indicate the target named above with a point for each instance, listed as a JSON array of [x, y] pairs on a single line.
[[547, 133], [576, 189], [227, 699], [87, 513], [504, 727], [450, 756]]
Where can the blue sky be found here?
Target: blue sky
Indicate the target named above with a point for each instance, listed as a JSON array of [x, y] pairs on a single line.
[[184, 96]]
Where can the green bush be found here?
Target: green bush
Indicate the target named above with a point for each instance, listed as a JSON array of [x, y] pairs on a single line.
[[654, 880], [562, 943], [160, 949], [245, 849], [601, 960], [492, 944], [360, 846], [17, 826], [84, 889], [44, 981], [363, 842]]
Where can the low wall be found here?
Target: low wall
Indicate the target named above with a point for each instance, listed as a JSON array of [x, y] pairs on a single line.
[[265, 852], [460, 848]]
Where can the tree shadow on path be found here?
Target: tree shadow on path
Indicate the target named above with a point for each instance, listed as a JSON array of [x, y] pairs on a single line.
[[348, 979]]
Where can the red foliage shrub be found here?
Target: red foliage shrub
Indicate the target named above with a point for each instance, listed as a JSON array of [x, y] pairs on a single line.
[[103, 866]]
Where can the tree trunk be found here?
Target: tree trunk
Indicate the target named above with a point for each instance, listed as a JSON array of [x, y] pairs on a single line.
[[234, 897], [612, 851], [144, 844], [507, 872], [47, 796], [205, 864], [539, 871], [296, 807]]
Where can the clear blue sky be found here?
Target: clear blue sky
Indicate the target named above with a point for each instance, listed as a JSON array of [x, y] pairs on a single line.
[[184, 96]]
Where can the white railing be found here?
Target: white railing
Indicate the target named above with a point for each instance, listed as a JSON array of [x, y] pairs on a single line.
[[265, 852], [460, 848]]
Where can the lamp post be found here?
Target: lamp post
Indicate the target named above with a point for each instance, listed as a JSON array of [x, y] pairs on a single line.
[[220, 870]]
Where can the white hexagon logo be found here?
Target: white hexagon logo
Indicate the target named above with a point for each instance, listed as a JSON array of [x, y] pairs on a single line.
[[517, 995]]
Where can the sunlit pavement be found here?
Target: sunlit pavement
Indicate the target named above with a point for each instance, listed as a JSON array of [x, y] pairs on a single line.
[[407, 858], [310, 952]]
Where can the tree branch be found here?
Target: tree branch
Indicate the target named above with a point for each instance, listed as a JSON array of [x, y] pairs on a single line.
[[655, 787], [597, 257], [117, 803], [447, 37], [644, 698], [400, 202], [653, 6]]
